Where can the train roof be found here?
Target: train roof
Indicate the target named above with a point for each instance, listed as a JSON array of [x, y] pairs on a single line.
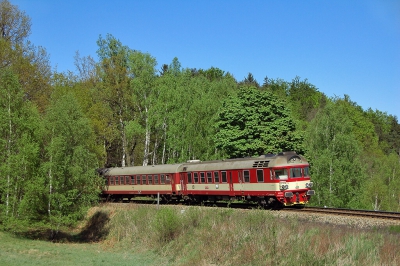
[[134, 170], [270, 160]]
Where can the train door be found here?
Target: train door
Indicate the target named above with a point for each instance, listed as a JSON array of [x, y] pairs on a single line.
[[241, 182], [183, 182], [231, 191]]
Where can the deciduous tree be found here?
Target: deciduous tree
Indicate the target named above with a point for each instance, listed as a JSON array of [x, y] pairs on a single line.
[[254, 123], [70, 180]]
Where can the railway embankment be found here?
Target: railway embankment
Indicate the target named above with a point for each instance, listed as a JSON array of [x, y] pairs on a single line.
[[128, 234], [224, 236]]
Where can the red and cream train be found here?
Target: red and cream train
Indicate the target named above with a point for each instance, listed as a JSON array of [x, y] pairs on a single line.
[[272, 180]]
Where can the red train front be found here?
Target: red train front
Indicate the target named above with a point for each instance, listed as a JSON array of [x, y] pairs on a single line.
[[271, 180]]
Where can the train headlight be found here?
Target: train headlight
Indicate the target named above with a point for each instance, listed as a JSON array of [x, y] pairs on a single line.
[[309, 185]]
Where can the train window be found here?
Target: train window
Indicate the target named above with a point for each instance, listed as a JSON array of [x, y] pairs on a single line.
[[122, 180], [143, 180], [216, 177], [117, 180], [223, 175], [209, 177], [202, 178], [156, 179], [162, 179], [260, 175], [196, 178], [150, 179], [281, 174], [246, 176], [127, 178], [189, 177], [295, 172], [133, 180], [111, 180], [167, 179], [306, 171]]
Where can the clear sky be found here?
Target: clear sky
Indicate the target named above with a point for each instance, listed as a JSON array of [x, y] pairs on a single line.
[[341, 47]]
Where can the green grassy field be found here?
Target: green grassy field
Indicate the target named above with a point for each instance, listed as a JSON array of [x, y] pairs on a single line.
[[135, 235], [19, 251]]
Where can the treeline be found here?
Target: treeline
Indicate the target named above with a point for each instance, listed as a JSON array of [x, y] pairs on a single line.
[[122, 110]]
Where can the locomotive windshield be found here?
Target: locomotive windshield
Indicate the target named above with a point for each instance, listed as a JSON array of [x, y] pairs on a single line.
[[295, 172], [281, 174], [306, 171]]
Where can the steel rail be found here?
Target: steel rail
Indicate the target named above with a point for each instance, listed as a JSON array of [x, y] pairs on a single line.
[[350, 212]]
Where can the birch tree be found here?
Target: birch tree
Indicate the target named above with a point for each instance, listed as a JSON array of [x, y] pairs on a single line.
[[19, 146], [334, 153], [115, 95], [144, 93], [71, 182]]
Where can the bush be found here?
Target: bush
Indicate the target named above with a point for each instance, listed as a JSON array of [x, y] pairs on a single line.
[[166, 225]]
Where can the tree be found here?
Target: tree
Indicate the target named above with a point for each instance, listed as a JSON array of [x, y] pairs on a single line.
[[113, 94], [305, 99], [69, 182], [30, 63], [143, 69], [15, 26], [254, 123], [334, 153], [249, 81], [19, 148]]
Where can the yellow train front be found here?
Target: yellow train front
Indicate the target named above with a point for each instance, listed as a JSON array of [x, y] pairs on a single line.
[[274, 180]]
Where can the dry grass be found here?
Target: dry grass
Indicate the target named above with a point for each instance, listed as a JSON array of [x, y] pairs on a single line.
[[213, 236]]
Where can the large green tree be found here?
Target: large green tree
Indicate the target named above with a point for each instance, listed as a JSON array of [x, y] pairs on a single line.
[[19, 148], [115, 98], [335, 154], [142, 67], [255, 122], [69, 182], [30, 63]]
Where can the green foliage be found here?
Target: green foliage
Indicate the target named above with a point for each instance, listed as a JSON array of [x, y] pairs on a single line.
[[254, 123], [305, 99], [382, 188], [19, 150], [71, 183], [167, 225], [30, 63], [334, 152]]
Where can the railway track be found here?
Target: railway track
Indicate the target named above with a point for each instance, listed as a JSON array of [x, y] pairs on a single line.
[[349, 212]]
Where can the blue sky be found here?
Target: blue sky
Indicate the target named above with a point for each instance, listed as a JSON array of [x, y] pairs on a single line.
[[342, 47]]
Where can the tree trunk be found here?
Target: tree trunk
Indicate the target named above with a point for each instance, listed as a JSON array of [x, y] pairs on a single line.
[[147, 140], [9, 155]]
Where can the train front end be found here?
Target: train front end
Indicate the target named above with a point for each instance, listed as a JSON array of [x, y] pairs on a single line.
[[292, 177]]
